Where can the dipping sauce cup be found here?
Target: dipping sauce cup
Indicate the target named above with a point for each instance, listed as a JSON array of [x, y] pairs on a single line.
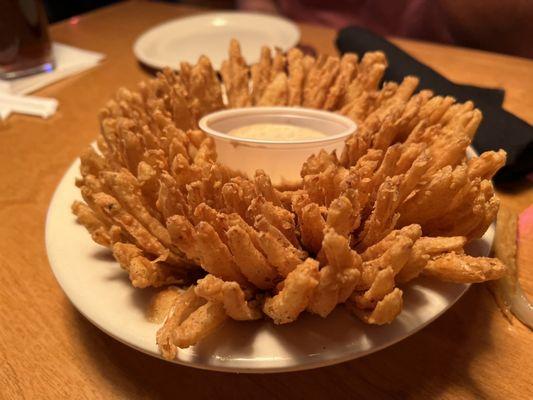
[[282, 160]]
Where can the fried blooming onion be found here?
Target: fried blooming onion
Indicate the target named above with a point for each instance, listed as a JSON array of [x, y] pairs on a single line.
[[400, 201]]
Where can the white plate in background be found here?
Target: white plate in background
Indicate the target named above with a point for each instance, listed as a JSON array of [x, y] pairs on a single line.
[[186, 39], [101, 291]]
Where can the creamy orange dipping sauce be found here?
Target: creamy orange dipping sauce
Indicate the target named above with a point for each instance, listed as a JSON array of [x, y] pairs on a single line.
[[276, 132]]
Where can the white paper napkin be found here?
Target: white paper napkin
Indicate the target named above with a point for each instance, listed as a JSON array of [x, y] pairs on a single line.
[[69, 61]]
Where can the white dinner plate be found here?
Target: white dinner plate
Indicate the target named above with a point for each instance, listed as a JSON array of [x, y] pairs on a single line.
[[186, 39], [100, 290]]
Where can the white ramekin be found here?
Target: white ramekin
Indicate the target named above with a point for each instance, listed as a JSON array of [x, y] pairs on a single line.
[[281, 160]]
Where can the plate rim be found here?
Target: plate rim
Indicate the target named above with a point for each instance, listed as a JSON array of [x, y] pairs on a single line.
[[153, 63]]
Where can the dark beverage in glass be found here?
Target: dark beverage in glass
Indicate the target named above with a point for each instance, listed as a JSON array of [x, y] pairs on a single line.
[[25, 46]]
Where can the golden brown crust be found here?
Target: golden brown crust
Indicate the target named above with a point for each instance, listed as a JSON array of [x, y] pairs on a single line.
[[234, 73], [401, 200]]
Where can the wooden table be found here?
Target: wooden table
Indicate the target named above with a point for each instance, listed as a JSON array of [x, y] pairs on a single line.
[[48, 350]]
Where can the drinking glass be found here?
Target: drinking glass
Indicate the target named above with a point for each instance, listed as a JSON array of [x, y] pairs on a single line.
[[25, 46]]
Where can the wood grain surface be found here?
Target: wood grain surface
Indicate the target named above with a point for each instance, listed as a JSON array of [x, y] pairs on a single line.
[[48, 350]]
